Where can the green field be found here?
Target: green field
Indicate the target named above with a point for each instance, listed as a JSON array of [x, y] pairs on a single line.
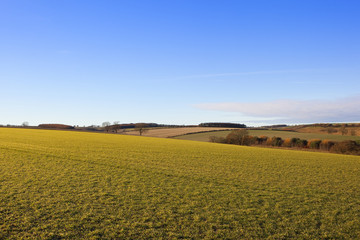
[[73, 185], [204, 137]]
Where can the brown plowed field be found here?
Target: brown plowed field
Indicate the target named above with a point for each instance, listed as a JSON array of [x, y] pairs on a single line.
[[172, 132]]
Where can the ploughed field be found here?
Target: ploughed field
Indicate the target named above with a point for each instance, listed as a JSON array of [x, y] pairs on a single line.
[[173, 132], [73, 185]]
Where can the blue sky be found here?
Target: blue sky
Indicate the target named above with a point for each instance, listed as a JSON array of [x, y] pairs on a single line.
[[179, 62]]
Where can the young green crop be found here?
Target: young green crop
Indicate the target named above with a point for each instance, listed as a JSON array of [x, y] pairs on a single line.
[[72, 185]]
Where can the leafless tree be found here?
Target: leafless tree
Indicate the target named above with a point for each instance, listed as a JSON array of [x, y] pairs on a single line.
[[343, 130], [106, 126], [141, 127], [331, 130]]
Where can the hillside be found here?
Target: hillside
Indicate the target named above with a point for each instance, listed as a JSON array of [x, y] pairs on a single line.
[[204, 137], [74, 185], [173, 132], [342, 129]]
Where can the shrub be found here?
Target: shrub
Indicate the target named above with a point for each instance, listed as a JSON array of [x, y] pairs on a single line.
[[294, 141], [268, 141], [276, 141], [252, 140], [301, 143], [314, 144], [287, 143], [239, 137], [326, 144], [346, 147], [262, 139]]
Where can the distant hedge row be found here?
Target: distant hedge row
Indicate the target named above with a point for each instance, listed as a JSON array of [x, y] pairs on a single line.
[[241, 137], [219, 124], [56, 126]]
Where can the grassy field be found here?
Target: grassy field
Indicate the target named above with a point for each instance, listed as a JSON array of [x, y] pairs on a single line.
[[204, 137], [73, 185]]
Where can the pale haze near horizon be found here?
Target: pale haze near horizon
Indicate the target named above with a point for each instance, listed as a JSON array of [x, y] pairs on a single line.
[[179, 62]]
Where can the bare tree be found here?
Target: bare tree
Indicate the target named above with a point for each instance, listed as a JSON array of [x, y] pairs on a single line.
[[116, 127], [331, 130], [25, 124], [141, 127], [343, 130], [106, 126], [116, 122]]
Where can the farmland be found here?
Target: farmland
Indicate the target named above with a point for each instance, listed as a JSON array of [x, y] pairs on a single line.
[[204, 137], [73, 185], [173, 132]]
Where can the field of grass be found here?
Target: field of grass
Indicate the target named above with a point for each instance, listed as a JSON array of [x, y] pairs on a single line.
[[74, 185], [204, 137]]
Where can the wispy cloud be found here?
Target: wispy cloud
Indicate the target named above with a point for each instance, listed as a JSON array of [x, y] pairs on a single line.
[[340, 110]]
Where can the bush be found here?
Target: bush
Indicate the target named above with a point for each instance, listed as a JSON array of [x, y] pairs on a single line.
[[346, 147], [276, 141], [326, 144], [262, 139], [294, 141], [239, 137], [252, 140], [268, 141], [287, 143], [314, 144], [301, 143]]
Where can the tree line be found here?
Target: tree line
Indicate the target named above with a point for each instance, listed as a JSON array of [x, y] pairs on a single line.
[[221, 124]]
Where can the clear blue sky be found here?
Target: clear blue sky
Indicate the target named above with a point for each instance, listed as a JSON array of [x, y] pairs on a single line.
[[179, 62]]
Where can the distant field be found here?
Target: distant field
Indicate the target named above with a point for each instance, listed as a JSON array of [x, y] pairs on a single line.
[[204, 137], [172, 132], [323, 130], [74, 185]]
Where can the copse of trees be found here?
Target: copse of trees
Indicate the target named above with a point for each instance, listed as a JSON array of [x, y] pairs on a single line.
[[225, 125], [238, 137], [241, 137]]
